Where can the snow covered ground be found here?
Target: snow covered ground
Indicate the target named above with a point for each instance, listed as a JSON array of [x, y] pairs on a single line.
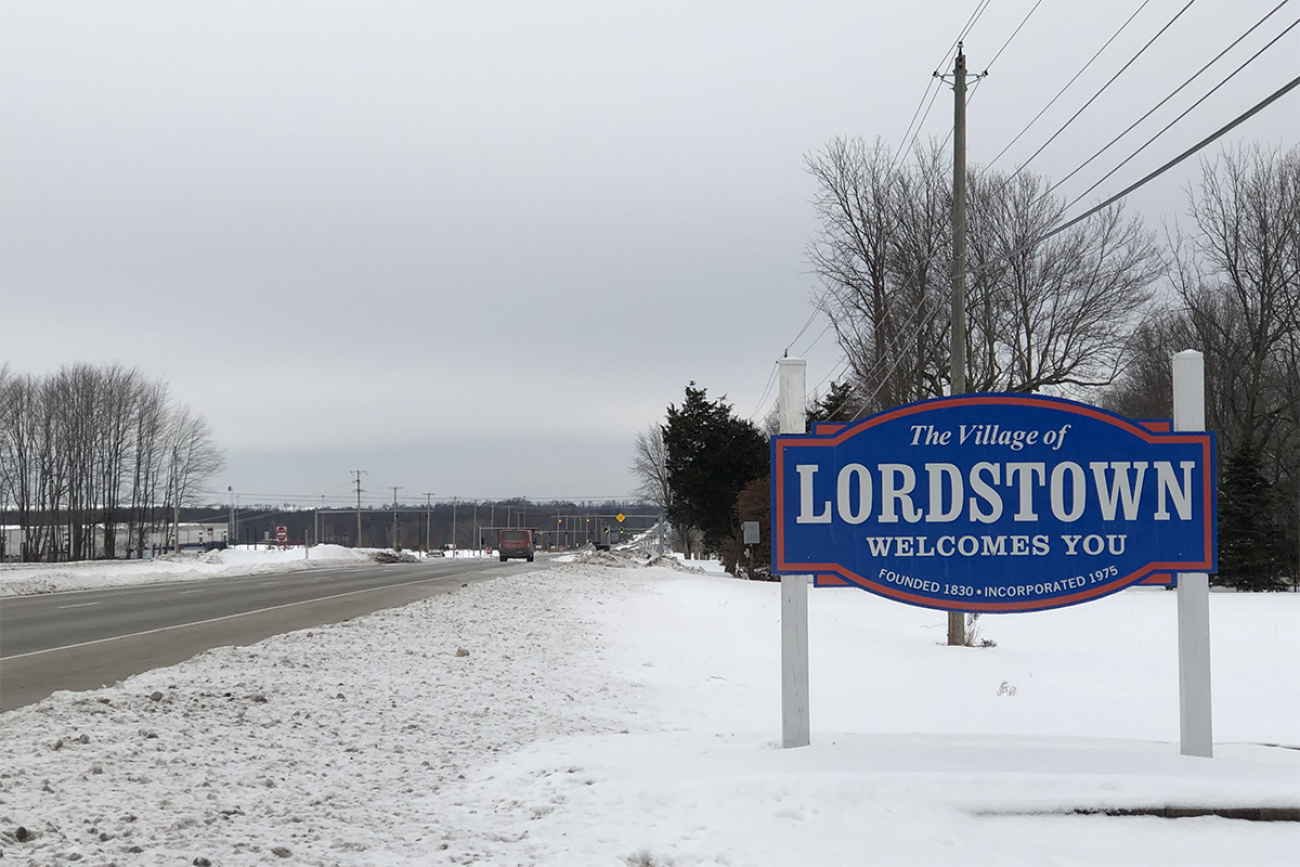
[[590, 714], [18, 579]]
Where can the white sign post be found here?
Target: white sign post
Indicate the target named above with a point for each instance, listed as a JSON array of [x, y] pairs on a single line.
[[1194, 706], [792, 375]]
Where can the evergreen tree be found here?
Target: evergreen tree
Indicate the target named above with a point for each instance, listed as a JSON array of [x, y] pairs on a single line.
[[711, 455], [837, 404], [1250, 540]]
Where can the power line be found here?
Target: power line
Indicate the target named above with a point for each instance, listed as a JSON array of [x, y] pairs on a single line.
[[766, 389], [1067, 86], [905, 145], [816, 340], [811, 317], [1201, 145], [1174, 93], [1012, 36], [970, 25], [1187, 111], [1103, 88], [893, 367]]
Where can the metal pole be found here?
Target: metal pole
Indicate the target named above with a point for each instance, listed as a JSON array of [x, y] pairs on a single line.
[[397, 543], [358, 475], [957, 619], [1195, 709], [454, 549], [428, 521], [795, 727], [176, 492]]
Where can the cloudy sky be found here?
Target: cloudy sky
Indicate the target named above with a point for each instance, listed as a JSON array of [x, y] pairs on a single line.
[[474, 248]]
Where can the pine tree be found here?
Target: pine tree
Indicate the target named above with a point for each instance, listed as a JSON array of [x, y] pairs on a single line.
[[838, 404], [1250, 540], [712, 454]]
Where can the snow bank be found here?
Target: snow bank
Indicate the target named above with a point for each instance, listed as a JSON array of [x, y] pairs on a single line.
[[20, 579], [598, 715]]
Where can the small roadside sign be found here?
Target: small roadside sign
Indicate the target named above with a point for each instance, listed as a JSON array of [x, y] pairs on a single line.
[[281, 534], [620, 517]]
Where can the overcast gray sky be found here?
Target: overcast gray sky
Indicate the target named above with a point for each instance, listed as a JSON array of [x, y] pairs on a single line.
[[474, 248]]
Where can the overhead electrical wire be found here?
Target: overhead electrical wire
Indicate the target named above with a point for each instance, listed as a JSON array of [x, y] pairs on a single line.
[[1067, 86], [974, 18], [1184, 114], [936, 83], [1012, 36], [1203, 143], [762, 399], [1174, 93], [1103, 88], [816, 340], [1191, 151], [811, 317]]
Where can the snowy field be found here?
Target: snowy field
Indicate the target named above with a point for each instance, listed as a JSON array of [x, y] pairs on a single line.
[[18, 579], [630, 716]]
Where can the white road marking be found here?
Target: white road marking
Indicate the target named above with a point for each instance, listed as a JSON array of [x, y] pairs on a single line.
[[233, 616], [81, 605]]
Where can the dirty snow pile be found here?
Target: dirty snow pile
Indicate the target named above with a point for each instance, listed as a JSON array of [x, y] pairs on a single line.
[[21, 579], [603, 715]]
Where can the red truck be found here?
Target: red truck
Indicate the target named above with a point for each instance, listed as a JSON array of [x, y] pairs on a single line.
[[516, 543]]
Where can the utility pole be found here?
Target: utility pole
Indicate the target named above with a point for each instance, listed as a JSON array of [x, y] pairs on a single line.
[[397, 543], [957, 619], [358, 474], [454, 549], [428, 521], [478, 542], [958, 375], [230, 533], [176, 493]]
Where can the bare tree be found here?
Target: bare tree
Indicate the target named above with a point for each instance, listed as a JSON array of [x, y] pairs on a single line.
[[650, 466], [1236, 298], [1041, 314], [1055, 313], [83, 445], [1239, 281]]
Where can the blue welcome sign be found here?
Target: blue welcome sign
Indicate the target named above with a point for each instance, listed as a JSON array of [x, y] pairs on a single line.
[[993, 503]]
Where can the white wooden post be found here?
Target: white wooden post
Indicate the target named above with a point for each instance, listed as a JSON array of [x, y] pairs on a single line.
[[1194, 705], [792, 374]]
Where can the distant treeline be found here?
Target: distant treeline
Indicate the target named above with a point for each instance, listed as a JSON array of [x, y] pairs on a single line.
[[89, 449], [415, 526]]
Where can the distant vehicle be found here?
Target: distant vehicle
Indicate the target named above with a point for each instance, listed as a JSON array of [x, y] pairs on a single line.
[[435, 553], [516, 543]]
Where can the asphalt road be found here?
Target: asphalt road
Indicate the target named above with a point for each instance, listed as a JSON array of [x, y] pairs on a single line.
[[91, 638]]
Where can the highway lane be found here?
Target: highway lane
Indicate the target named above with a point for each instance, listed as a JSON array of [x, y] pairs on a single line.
[[85, 639]]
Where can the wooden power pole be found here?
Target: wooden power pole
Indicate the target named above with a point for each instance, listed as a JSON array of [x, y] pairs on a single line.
[[957, 619], [358, 474]]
